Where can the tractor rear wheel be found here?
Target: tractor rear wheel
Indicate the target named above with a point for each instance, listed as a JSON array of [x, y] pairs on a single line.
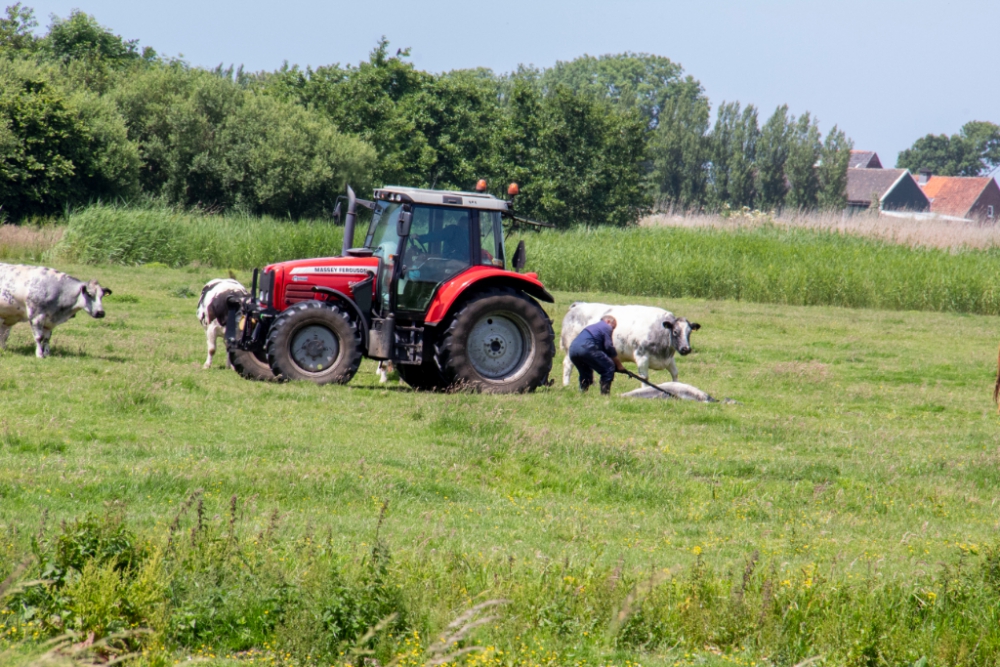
[[315, 341], [250, 365], [499, 341]]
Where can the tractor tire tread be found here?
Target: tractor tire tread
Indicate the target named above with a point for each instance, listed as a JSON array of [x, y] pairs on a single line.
[[277, 353], [450, 351]]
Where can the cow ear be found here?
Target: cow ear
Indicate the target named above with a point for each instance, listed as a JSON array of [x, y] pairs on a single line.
[[695, 326], [106, 291], [668, 324]]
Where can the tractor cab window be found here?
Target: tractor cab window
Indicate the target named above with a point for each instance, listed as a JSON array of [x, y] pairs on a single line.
[[384, 242], [381, 237], [438, 248], [490, 239]]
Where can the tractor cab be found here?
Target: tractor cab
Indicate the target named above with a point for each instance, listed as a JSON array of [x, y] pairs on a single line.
[[438, 242], [427, 290]]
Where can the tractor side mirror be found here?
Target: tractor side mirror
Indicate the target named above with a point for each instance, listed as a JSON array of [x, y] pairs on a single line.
[[403, 224], [519, 257], [336, 213]]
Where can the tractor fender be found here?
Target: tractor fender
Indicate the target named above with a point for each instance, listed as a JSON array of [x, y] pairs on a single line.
[[477, 277], [343, 299]]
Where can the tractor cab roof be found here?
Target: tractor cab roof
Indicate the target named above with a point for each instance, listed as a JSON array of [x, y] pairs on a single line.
[[397, 193]]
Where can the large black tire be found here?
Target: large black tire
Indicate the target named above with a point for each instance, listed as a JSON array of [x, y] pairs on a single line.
[[425, 377], [315, 341], [250, 365], [499, 341]]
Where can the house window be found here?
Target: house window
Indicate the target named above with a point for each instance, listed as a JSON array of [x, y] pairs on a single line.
[[989, 212]]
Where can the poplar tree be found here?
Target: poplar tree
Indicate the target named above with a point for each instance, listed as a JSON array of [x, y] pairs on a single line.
[[679, 149], [800, 168], [734, 155], [772, 153], [835, 157]]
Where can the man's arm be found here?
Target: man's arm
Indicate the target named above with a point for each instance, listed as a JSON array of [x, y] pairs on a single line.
[[609, 349]]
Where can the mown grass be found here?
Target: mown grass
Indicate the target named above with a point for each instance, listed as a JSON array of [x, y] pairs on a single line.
[[845, 509], [763, 263]]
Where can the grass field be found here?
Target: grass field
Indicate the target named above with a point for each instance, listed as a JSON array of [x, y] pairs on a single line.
[[846, 509]]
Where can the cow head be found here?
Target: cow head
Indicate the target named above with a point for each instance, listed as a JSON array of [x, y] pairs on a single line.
[[92, 293], [680, 333]]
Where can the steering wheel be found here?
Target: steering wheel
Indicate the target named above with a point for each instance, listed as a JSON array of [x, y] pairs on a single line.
[[419, 244]]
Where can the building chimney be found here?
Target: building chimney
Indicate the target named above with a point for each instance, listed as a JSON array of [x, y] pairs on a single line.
[[925, 175]]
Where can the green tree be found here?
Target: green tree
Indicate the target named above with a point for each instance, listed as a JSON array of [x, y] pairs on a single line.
[[367, 101], [733, 156], [639, 80], [17, 29], [206, 141], [282, 159], [81, 37], [678, 150], [58, 148], [576, 157], [832, 170], [973, 151], [455, 116], [800, 168], [773, 148]]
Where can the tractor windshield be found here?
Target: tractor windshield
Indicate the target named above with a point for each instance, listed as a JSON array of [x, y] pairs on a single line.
[[382, 237]]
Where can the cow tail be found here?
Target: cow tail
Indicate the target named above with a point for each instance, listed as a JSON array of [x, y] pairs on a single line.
[[996, 389]]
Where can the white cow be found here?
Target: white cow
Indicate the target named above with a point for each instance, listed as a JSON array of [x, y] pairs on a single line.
[[646, 335], [213, 308], [44, 298]]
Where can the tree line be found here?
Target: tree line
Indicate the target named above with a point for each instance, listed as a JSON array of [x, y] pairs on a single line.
[[87, 115]]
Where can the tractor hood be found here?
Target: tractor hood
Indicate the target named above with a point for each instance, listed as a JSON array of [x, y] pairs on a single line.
[[325, 265]]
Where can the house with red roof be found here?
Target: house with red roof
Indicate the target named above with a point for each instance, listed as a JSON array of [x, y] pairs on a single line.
[[973, 198]]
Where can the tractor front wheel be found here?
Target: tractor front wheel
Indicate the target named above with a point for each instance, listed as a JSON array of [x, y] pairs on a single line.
[[250, 365], [315, 341], [499, 341]]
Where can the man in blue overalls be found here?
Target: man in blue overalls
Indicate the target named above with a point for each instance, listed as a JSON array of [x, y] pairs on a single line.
[[594, 350]]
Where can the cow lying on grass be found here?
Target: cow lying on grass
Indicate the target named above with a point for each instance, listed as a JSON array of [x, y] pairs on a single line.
[[678, 390], [645, 335], [213, 310], [45, 298]]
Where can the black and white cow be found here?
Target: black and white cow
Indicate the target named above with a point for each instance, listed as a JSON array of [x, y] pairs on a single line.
[[646, 335], [213, 309], [44, 298]]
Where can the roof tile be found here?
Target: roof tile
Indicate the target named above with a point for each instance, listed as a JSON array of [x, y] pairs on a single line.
[[954, 195]]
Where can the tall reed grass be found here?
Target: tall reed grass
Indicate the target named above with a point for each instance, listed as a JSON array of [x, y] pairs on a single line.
[[923, 230], [770, 264], [27, 243], [114, 235], [760, 262]]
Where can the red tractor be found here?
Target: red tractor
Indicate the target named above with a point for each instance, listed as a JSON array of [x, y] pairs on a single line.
[[428, 291]]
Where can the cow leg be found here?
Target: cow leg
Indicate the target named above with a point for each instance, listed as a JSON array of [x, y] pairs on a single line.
[[383, 374], [642, 361], [211, 333], [4, 332], [672, 367], [42, 336], [567, 370]]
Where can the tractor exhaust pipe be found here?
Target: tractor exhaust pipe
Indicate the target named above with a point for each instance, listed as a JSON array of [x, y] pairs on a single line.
[[349, 221]]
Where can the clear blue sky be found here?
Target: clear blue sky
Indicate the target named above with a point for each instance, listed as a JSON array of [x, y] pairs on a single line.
[[885, 71]]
